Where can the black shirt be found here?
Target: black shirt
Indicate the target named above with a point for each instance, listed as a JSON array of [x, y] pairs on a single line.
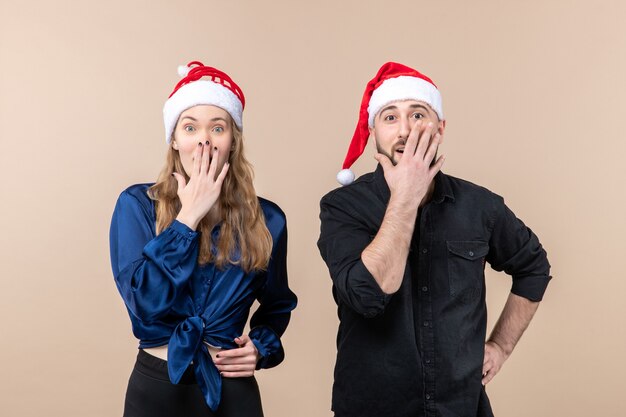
[[419, 351]]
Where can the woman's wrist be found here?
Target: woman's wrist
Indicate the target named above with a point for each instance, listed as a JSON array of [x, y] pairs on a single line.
[[188, 220]]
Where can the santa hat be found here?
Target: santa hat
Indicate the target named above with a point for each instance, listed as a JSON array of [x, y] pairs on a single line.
[[218, 90], [392, 83]]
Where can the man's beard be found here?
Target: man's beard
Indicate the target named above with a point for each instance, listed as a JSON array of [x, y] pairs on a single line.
[[397, 145]]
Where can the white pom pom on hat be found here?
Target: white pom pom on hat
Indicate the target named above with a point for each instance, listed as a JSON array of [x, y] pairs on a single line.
[[183, 70], [392, 82], [202, 85], [345, 176]]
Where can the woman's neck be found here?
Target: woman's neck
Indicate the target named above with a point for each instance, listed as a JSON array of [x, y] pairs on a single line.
[[214, 216]]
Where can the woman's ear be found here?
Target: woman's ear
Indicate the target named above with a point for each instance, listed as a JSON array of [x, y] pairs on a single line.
[[174, 145]]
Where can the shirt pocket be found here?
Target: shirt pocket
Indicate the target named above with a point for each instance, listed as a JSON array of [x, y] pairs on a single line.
[[466, 266]]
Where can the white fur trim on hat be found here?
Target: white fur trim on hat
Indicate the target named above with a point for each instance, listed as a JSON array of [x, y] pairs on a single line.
[[196, 93], [404, 88]]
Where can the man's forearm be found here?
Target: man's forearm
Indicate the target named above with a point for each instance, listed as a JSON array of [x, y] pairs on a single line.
[[514, 319], [385, 257]]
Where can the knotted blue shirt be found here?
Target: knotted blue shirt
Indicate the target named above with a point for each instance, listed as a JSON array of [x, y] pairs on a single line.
[[174, 301]]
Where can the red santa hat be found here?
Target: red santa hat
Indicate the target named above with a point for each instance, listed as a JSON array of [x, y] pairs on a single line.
[[393, 82], [202, 85]]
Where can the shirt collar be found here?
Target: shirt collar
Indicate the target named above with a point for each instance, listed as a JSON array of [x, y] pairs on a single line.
[[442, 186]]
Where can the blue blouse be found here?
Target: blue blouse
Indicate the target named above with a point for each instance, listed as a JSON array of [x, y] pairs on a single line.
[[173, 300]]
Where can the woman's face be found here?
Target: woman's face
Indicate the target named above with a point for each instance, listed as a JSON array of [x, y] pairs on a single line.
[[200, 124]]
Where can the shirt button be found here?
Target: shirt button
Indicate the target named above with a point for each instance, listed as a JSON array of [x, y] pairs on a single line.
[[425, 324], [428, 396], [470, 253], [424, 288], [424, 250]]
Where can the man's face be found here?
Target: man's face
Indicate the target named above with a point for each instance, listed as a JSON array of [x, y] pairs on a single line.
[[394, 122]]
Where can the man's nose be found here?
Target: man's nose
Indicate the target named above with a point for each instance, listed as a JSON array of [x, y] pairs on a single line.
[[404, 128]]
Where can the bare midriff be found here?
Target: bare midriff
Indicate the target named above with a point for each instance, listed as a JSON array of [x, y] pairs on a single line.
[[161, 351]]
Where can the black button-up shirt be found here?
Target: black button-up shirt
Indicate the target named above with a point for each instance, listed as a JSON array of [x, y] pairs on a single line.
[[419, 351]]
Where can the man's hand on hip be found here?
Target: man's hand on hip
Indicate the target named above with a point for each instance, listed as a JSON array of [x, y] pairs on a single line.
[[494, 359]]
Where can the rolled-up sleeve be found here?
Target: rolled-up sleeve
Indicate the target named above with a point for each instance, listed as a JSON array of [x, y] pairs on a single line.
[[150, 271], [276, 301], [342, 240], [516, 250]]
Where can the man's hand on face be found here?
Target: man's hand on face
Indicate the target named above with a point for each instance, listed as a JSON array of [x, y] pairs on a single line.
[[494, 359], [410, 178]]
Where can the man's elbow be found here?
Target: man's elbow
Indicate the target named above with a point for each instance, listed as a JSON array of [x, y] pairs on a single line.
[[390, 285]]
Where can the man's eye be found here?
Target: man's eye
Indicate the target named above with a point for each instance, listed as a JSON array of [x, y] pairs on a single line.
[[189, 128], [418, 115], [390, 117]]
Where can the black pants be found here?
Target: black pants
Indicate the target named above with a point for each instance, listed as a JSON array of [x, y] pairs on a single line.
[[151, 394]]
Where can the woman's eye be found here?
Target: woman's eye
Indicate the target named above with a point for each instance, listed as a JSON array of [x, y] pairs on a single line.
[[218, 129], [189, 128]]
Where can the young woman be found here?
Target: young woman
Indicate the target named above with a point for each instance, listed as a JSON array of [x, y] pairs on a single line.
[[191, 253]]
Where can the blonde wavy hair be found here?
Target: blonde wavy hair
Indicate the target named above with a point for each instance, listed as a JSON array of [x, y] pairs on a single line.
[[244, 239]]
